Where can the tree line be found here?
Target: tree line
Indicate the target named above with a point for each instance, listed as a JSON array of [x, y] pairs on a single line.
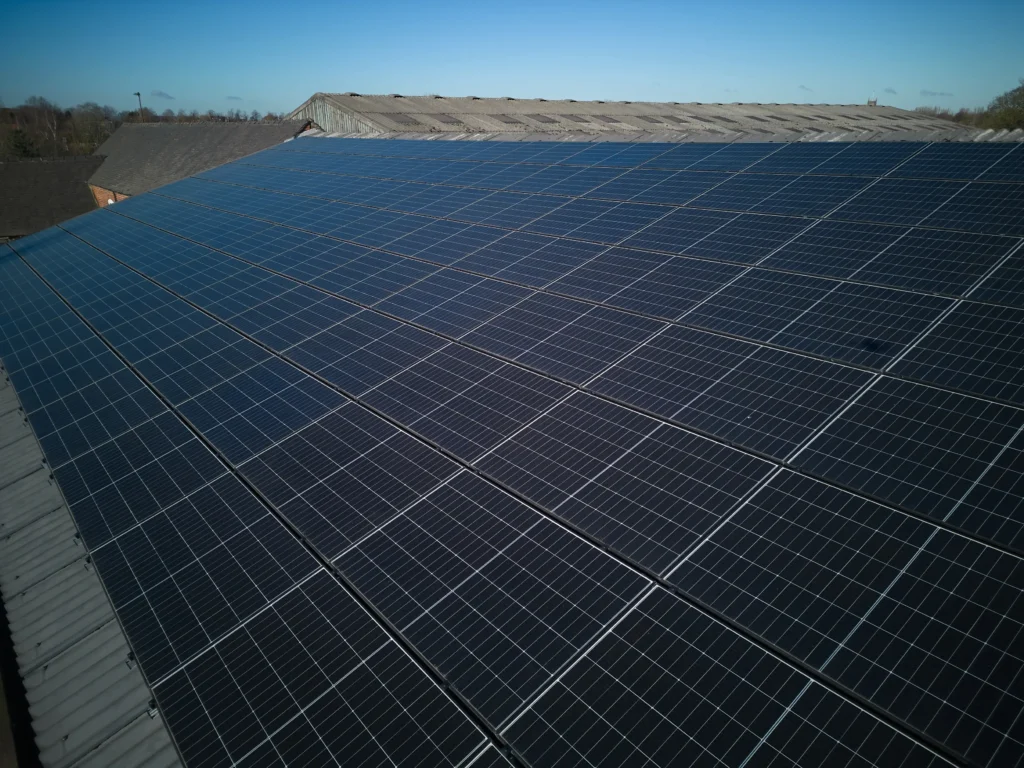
[[1005, 111], [42, 128]]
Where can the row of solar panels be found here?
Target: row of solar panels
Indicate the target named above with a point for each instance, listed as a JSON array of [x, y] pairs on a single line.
[[614, 483], [956, 160], [192, 561], [762, 398], [183, 579], [869, 323]]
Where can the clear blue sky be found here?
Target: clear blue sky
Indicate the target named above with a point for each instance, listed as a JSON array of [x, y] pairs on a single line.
[[272, 56]]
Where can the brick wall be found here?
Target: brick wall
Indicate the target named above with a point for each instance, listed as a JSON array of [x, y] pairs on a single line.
[[104, 196]]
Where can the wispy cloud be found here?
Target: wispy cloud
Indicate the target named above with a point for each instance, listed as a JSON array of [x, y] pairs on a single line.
[[233, 98], [161, 95], [805, 88], [891, 90], [926, 92]]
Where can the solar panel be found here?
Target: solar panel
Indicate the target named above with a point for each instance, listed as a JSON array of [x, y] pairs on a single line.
[[494, 453]]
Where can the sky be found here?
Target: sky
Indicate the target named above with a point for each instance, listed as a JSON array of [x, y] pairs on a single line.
[[268, 56]]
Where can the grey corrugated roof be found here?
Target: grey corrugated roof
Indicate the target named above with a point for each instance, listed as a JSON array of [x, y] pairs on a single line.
[[36, 194], [142, 156], [88, 703], [512, 117], [965, 135]]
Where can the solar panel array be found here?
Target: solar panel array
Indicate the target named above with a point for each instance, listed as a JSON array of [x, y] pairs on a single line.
[[442, 453]]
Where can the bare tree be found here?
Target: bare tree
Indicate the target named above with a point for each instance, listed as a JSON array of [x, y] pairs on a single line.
[[46, 116]]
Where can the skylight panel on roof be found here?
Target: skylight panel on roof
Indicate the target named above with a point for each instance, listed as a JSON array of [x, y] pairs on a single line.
[[401, 117]]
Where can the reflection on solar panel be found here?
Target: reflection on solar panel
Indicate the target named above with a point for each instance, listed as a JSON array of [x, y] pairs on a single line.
[[487, 453]]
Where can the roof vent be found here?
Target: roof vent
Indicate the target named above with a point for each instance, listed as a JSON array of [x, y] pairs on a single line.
[[435, 96], [473, 98], [571, 101], [395, 96], [351, 93], [627, 102], [541, 99], [599, 102], [507, 98]]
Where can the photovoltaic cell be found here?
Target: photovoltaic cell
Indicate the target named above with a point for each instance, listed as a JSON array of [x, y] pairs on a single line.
[[312, 679], [761, 398], [994, 209], [921, 448], [758, 303], [861, 324], [465, 401], [679, 188], [811, 195], [743, 192], [952, 161], [1003, 285], [898, 201], [340, 478], [662, 687], [479, 582], [133, 476], [834, 248], [185, 577], [843, 598], [747, 238], [799, 158], [679, 229], [977, 348], [647, 490], [868, 158], [1010, 167], [734, 157]]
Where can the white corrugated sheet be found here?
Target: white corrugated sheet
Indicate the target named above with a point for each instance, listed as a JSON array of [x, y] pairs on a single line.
[[89, 704]]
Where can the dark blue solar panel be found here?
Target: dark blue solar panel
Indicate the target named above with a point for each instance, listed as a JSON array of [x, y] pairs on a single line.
[[957, 160], [489, 387]]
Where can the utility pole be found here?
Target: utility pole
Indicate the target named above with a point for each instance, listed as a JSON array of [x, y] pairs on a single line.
[[140, 104]]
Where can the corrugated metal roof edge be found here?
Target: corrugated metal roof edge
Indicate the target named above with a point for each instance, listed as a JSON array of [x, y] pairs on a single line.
[[89, 704], [380, 112], [955, 134]]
